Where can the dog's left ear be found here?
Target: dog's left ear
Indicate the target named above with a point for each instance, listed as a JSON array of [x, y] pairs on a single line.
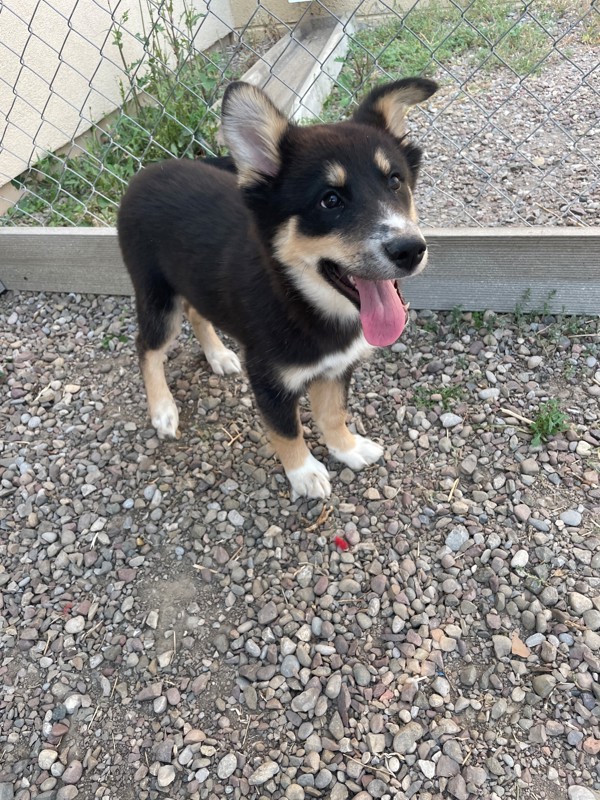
[[386, 106], [253, 128]]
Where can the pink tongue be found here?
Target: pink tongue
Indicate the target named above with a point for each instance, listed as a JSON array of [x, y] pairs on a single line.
[[382, 313]]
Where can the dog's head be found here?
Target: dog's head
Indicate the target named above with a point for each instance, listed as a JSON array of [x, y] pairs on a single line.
[[336, 201]]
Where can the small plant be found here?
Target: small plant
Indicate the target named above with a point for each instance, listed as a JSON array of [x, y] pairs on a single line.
[[549, 421], [112, 337], [456, 319], [429, 396]]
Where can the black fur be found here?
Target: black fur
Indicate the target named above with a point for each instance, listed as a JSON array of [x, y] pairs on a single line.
[[187, 231]]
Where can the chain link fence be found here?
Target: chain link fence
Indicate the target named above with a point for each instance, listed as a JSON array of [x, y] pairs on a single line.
[[91, 90]]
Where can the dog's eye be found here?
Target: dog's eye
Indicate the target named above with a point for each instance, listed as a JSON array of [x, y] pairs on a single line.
[[394, 182], [331, 200]]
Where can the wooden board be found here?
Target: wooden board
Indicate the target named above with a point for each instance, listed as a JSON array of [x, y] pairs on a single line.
[[474, 268]]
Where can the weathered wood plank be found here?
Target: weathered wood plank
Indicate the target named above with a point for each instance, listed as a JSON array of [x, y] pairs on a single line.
[[475, 268]]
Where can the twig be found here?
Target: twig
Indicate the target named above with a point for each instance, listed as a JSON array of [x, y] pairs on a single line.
[[453, 489], [514, 414], [323, 517]]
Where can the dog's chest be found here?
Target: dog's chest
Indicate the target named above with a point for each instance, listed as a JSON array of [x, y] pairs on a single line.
[[331, 366]]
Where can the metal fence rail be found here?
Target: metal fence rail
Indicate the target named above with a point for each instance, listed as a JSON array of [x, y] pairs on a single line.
[[90, 90]]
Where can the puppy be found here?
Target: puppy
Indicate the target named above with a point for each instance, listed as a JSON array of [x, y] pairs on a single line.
[[297, 254]]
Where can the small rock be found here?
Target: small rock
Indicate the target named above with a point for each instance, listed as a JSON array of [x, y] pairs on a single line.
[[264, 773], [449, 420], [468, 465], [502, 646], [46, 758], [6, 791], [456, 538], [579, 603], [227, 766], [520, 559], [267, 613], [407, 738], [529, 466], [73, 772], [67, 792], [458, 788], [75, 624], [543, 685], [165, 775], [571, 518], [307, 700], [582, 793], [522, 512], [489, 394]]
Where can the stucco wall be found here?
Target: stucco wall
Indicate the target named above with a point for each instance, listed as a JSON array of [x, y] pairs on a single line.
[[61, 70]]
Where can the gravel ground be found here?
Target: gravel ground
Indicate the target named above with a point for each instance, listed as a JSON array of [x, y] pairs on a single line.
[[501, 150], [172, 626]]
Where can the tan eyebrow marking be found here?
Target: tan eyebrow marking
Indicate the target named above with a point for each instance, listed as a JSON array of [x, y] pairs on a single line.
[[335, 174], [382, 161]]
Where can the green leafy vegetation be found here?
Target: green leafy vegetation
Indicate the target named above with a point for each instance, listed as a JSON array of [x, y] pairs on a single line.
[[491, 33], [167, 111], [549, 421], [444, 396]]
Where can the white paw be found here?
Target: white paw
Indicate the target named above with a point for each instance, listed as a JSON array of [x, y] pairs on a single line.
[[309, 480], [224, 362], [363, 453], [165, 419]]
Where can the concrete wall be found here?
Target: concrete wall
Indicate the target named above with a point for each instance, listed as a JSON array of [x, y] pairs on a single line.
[[61, 69]]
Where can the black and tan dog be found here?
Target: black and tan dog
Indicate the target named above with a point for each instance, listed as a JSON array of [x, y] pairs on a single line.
[[297, 257]]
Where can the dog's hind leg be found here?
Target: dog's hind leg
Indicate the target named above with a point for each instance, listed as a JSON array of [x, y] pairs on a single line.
[[222, 360], [159, 326], [329, 400]]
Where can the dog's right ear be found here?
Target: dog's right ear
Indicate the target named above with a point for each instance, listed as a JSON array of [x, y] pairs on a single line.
[[253, 128]]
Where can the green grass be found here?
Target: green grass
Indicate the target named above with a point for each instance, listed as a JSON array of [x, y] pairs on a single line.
[[490, 32], [166, 112], [549, 421], [444, 396]]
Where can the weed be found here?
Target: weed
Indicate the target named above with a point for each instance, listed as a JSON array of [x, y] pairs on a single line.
[[429, 325], [112, 337], [429, 397], [520, 313], [549, 421], [456, 319], [166, 111]]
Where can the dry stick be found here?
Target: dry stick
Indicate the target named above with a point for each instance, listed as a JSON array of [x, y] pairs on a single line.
[[453, 489], [514, 414]]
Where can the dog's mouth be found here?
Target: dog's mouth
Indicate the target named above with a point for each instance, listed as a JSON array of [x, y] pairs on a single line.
[[383, 310]]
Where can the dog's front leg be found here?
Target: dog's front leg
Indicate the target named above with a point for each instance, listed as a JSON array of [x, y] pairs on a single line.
[[329, 400], [307, 476]]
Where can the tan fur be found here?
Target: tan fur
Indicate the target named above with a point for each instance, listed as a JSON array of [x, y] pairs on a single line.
[[335, 174], [327, 399], [269, 124], [292, 452], [393, 107], [205, 333], [382, 161], [296, 249], [301, 254], [152, 365]]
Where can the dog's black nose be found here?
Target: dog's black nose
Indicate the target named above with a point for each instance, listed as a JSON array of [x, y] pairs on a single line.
[[406, 252]]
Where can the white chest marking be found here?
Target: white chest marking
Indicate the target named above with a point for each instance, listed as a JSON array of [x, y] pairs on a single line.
[[331, 366]]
